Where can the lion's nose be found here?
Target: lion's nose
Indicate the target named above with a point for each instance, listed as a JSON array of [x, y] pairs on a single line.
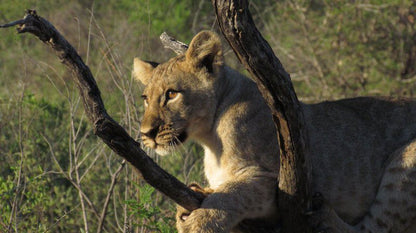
[[150, 123]]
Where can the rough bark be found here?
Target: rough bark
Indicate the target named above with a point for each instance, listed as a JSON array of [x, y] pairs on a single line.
[[104, 126], [274, 83]]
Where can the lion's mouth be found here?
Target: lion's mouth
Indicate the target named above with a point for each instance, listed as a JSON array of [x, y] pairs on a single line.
[[164, 144]]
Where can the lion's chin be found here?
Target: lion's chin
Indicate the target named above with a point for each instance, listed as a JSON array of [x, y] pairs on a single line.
[[163, 151]]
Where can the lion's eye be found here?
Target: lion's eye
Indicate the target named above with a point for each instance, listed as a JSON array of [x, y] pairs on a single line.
[[171, 94]]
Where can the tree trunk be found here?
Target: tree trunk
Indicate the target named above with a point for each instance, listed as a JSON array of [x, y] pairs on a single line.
[[274, 83]]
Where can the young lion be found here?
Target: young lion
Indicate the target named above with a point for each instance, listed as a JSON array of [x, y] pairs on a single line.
[[362, 150]]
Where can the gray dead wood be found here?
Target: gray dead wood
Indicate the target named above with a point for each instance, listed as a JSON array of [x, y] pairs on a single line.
[[173, 44]]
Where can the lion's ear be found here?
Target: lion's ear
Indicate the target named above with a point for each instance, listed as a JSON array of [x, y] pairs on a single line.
[[142, 70], [205, 50]]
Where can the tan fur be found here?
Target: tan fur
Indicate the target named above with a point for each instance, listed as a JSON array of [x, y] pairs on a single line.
[[361, 149]]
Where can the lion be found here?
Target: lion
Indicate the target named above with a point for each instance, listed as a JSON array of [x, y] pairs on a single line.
[[362, 150]]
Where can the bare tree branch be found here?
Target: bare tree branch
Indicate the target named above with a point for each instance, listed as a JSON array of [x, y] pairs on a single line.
[[14, 23], [63, 173], [109, 194], [104, 126], [274, 83], [173, 44]]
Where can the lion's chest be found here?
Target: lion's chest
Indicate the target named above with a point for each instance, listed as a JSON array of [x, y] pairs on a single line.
[[215, 174]]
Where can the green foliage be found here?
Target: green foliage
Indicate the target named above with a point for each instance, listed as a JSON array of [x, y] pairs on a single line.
[[344, 48], [33, 198], [152, 216], [25, 187], [159, 15]]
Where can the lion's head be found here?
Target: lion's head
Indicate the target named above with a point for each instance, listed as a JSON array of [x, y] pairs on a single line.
[[179, 96]]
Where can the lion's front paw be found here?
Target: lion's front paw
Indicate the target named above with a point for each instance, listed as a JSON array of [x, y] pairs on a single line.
[[197, 188], [182, 214], [199, 220], [184, 227], [204, 220]]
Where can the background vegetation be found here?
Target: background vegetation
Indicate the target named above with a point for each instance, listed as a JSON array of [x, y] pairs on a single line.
[[55, 176]]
